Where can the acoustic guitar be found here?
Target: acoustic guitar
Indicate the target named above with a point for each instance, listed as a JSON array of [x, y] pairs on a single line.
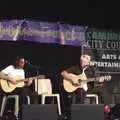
[[8, 87], [79, 81]]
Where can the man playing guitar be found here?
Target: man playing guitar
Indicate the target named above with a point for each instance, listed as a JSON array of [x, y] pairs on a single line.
[[11, 74], [75, 82]]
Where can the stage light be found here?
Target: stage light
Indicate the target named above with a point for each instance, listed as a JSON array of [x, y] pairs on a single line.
[[107, 109]]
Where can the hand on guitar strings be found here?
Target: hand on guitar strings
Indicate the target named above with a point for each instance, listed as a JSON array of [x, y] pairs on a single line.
[[13, 81], [75, 83]]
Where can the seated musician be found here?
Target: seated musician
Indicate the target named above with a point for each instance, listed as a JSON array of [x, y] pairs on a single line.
[[69, 75], [14, 72]]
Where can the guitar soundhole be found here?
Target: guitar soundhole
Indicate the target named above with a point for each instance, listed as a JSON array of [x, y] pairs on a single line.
[[79, 80]]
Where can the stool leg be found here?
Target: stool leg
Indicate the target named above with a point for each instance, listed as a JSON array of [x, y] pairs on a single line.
[[74, 99], [28, 100], [4, 101], [53, 100], [96, 99], [58, 101], [43, 99], [16, 106]]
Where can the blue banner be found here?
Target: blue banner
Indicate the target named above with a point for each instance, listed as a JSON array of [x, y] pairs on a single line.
[[43, 32]]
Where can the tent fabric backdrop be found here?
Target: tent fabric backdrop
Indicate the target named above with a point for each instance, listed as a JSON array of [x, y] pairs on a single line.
[[42, 32]]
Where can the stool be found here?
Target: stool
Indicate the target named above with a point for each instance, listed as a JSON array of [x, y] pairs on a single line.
[[93, 96], [52, 95], [4, 102]]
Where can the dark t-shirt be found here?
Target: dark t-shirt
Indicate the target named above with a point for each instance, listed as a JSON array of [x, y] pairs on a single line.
[[91, 72], [77, 69]]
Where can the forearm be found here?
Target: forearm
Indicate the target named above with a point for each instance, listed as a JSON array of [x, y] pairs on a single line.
[[4, 76], [67, 76]]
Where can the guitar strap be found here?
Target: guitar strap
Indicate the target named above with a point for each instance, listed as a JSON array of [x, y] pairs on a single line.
[[83, 70]]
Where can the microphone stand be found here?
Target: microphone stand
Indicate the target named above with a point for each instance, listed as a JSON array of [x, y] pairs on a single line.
[[95, 75], [36, 67], [37, 73]]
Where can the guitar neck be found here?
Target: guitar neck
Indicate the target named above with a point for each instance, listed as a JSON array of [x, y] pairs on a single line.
[[93, 79], [26, 79], [98, 78]]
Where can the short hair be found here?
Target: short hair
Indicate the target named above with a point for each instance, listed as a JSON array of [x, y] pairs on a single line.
[[86, 56], [19, 57]]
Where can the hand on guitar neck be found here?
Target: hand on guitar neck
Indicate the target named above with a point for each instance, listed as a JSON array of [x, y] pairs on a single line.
[[105, 78]]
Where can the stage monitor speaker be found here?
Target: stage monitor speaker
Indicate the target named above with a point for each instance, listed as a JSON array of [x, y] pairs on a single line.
[[87, 112], [40, 112]]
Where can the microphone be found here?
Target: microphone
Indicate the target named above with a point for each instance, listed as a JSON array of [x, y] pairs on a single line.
[[27, 62]]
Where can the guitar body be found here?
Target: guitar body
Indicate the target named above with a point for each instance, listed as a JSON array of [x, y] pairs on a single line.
[[69, 87], [81, 81], [7, 86]]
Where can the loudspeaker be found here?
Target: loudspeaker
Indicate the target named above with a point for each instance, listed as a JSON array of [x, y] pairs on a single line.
[[87, 112], [40, 112]]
